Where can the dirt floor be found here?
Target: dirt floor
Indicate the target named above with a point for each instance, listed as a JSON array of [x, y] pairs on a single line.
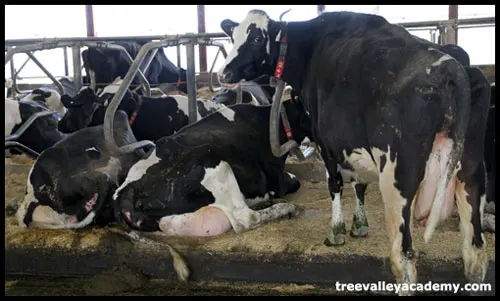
[[303, 234]]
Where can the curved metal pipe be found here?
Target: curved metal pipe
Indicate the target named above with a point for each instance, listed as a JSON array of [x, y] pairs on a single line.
[[27, 124], [224, 53], [210, 86], [117, 98], [52, 78], [22, 147], [277, 149]]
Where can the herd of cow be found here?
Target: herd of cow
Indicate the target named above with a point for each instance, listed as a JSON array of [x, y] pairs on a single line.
[[382, 106]]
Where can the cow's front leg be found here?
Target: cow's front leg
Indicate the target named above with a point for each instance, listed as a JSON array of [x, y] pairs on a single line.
[[359, 226], [335, 184]]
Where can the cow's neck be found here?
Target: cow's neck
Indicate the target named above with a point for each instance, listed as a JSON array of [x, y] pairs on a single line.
[[128, 105], [300, 46]]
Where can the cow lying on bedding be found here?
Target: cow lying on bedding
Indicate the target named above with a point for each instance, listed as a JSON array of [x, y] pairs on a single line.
[[207, 175]]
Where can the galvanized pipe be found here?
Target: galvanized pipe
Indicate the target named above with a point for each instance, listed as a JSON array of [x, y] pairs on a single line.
[[77, 72], [22, 66], [277, 149], [223, 50], [27, 124], [66, 67], [191, 82], [115, 102], [77, 57], [13, 89], [49, 75], [89, 14], [239, 94], [22, 147], [178, 56], [17, 42]]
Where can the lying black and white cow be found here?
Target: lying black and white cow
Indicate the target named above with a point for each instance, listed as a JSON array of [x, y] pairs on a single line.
[[71, 183], [105, 64], [387, 107], [50, 95], [41, 134], [150, 118], [202, 180]]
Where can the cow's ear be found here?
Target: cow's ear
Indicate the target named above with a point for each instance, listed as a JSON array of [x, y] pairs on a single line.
[[228, 26]]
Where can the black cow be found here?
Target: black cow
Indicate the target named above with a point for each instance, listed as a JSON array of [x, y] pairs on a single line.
[[202, 180], [71, 183], [151, 118], [390, 109], [105, 64], [41, 134]]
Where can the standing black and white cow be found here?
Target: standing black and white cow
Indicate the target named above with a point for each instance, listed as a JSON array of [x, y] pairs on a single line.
[[202, 180], [387, 107], [41, 134], [105, 64], [150, 118]]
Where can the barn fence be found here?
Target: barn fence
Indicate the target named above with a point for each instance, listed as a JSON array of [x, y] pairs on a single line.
[[441, 32]]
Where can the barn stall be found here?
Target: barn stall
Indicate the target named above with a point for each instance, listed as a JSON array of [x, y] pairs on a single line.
[[286, 257]]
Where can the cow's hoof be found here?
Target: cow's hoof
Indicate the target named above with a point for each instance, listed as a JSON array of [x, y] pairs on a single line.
[[335, 240], [361, 231]]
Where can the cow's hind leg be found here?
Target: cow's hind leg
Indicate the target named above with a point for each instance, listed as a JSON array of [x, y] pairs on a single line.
[[398, 220], [470, 197], [335, 184], [359, 226]]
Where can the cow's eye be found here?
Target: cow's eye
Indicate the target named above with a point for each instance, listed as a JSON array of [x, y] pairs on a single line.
[[258, 39]]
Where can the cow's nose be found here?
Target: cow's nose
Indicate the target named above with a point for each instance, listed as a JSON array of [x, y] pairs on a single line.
[[226, 76]]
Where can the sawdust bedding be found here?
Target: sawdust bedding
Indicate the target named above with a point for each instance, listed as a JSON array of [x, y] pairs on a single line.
[[303, 234]]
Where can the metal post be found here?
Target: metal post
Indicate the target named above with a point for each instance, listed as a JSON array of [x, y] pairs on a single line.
[[90, 20], [201, 29], [14, 78], [77, 71], [178, 56], [453, 15], [191, 82], [66, 68], [49, 75], [321, 9]]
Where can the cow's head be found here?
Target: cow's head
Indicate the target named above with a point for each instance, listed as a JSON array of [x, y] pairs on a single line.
[[255, 49], [104, 64], [51, 99], [71, 184], [80, 110]]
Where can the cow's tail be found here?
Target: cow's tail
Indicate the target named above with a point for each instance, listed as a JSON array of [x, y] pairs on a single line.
[[456, 101], [180, 266]]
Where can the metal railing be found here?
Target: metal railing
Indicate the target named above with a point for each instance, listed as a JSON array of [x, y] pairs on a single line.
[[189, 40], [447, 31]]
